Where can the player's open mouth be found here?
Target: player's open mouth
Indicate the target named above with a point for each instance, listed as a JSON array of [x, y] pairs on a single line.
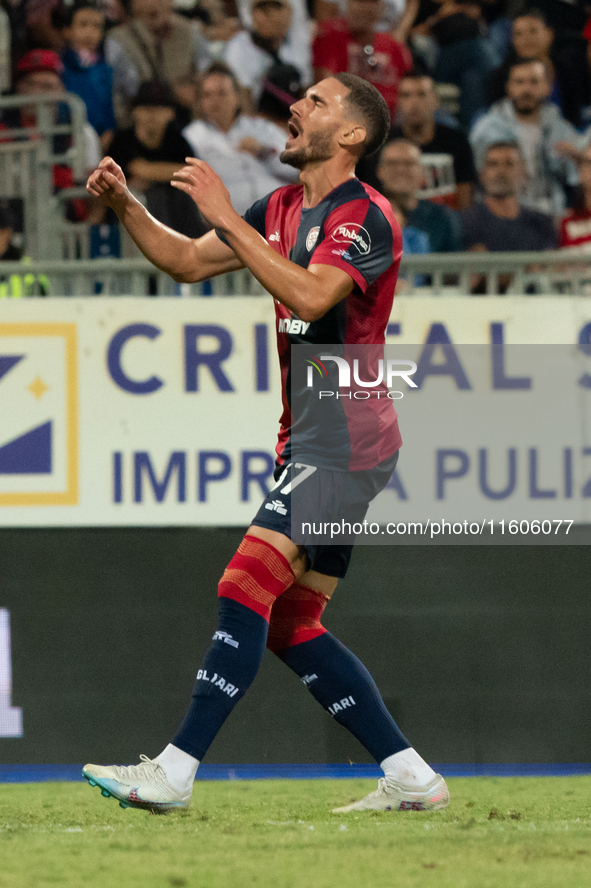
[[293, 132]]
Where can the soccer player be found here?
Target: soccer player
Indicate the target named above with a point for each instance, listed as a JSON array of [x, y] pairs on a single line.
[[328, 251]]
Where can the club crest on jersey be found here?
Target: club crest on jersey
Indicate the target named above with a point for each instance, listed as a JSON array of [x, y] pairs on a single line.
[[354, 235], [312, 237]]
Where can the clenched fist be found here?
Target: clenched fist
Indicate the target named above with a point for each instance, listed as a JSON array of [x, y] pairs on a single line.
[[108, 184]]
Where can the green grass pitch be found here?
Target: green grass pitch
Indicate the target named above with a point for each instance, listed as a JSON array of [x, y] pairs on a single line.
[[497, 833]]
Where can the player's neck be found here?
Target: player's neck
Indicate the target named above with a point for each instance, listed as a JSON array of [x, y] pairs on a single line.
[[322, 178]]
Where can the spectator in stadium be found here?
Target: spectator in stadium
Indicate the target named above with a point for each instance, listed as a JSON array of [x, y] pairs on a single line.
[[544, 136], [401, 176], [397, 16], [40, 24], [465, 56], [25, 283], [265, 60], [40, 71], [417, 122], [575, 227], [570, 82], [500, 223], [414, 243], [113, 11], [85, 71], [155, 44], [354, 45], [244, 151], [150, 151], [301, 26], [567, 18], [39, 21], [217, 25]]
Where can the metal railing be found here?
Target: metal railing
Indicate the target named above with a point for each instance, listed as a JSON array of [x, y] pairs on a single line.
[[553, 272], [453, 274], [27, 158]]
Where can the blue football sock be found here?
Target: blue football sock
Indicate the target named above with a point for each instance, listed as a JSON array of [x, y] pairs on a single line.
[[228, 670], [343, 686]]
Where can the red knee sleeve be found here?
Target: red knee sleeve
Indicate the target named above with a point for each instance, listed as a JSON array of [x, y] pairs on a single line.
[[256, 576], [296, 617]]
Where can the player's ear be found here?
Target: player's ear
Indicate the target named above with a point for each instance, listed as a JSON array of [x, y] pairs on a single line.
[[354, 136]]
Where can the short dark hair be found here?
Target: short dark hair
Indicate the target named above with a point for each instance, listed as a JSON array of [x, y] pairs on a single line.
[[507, 143], [154, 94], [63, 14], [369, 104], [401, 141], [222, 70], [417, 74], [533, 12], [519, 63]]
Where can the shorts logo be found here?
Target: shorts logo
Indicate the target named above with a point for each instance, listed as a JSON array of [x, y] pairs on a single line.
[[38, 406], [274, 237], [353, 235], [312, 237]]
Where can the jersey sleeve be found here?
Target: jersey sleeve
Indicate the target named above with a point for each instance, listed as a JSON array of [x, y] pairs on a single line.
[[255, 216], [361, 240]]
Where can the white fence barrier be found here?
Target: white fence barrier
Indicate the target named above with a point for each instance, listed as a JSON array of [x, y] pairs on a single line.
[[452, 274]]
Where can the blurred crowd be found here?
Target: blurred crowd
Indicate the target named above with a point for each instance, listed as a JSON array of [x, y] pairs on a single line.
[[164, 79]]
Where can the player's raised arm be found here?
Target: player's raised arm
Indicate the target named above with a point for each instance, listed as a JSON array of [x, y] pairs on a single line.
[[310, 293], [181, 257]]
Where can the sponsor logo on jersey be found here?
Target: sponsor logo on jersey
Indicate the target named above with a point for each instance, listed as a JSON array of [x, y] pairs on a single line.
[[274, 237], [293, 326], [312, 237], [354, 235], [276, 506], [225, 637]]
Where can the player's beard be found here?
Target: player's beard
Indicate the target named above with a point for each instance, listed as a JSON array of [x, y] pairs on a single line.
[[318, 150]]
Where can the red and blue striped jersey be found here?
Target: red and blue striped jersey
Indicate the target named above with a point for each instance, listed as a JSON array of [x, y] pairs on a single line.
[[352, 228]]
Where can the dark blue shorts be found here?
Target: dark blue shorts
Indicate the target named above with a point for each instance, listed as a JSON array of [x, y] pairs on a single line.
[[303, 494]]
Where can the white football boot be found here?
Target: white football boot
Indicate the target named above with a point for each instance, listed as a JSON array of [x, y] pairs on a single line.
[[138, 786], [393, 796]]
